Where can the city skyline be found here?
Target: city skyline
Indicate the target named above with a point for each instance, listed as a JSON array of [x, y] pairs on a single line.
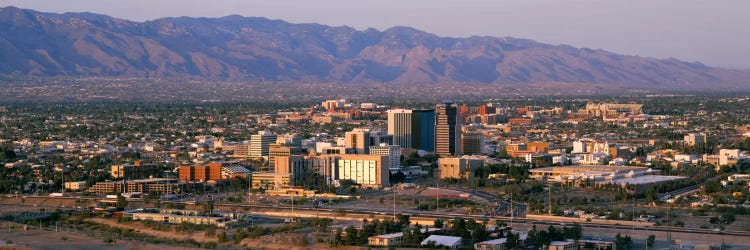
[[230, 132]]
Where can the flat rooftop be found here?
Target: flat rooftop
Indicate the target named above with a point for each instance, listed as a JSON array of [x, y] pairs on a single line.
[[644, 179], [589, 168]]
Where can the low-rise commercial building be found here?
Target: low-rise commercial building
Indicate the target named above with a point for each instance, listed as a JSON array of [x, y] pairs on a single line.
[[211, 172], [133, 171], [178, 218], [496, 244], [75, 185], [157, 185], [269, 181], [451, 242], [458, 168], [393, 239]]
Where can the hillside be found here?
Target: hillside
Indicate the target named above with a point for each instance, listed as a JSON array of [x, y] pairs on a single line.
[[252, 49]]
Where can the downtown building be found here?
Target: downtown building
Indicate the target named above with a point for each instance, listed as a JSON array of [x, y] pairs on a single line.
[[471, 142], [276, 150], [412, 128], [392, 151], [260, 143], [137, 170], [211, 172], [358, 140], [366, 170], [447, 129]]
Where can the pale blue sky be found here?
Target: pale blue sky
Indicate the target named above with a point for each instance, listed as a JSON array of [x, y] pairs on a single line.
[[714, 32]]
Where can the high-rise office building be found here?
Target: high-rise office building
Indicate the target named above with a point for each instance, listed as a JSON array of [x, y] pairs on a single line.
[[425, 126], [358, 139], [412, 128], [392, 151], [447, 129], [400, 126], [260, 143]]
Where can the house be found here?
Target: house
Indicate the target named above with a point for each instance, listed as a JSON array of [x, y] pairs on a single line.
[[393, 239], [496, 244], [442, 241], [563, 245]]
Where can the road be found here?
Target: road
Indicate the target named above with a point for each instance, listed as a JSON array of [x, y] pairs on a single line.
[[696, 235], [693, 234]]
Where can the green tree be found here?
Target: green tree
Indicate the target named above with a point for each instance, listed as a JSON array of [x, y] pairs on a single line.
[[121, 202], [623, 242], [651, 194], [438, 223], [651, 240]]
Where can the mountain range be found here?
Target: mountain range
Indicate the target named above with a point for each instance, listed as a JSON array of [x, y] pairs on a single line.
[[254, 49]]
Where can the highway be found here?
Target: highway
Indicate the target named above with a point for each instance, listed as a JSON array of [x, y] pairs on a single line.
[[591, 230], [432, 215]]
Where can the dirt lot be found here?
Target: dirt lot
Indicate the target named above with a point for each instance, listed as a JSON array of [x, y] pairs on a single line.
[[43, 239], [197, 236], [292, 241]]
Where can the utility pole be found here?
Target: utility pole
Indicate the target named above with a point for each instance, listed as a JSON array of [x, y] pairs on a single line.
[[633, 214], [292, 217], [549, 199], [62, 180], [394, 205], [511, 209], [669, 221]]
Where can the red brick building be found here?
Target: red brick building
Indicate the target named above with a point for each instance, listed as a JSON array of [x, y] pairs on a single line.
[[211, 172]]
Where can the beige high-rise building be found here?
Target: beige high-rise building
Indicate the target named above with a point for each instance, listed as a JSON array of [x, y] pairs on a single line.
[[358, 139], [366, 170], [294, 165]]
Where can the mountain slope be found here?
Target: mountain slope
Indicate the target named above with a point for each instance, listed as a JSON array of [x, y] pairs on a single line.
[[236, 48]]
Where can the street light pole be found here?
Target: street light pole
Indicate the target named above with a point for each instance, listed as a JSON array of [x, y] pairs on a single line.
[[511, 209], [549, 199]]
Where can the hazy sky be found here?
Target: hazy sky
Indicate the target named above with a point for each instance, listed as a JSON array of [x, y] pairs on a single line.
[[715, 32]]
